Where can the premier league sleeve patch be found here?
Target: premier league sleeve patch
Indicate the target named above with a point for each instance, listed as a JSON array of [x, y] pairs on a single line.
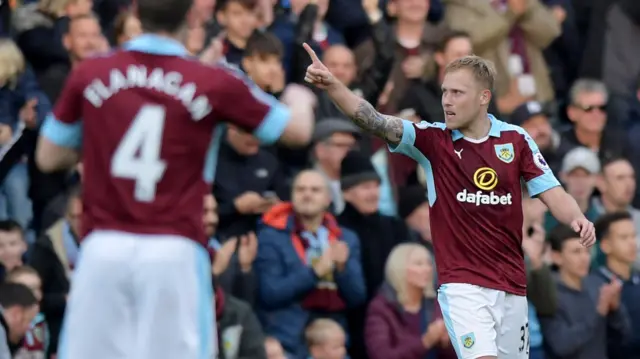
[[539, 160]]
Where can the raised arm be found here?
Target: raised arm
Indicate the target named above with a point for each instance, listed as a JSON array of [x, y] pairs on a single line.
[[363, 114]]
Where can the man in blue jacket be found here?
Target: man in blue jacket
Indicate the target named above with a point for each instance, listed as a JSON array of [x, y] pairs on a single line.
[[308, 267]]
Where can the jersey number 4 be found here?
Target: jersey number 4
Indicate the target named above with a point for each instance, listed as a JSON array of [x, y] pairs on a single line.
[[138, 154]]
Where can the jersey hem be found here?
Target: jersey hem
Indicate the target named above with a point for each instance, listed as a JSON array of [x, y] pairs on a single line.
[[488, 285]]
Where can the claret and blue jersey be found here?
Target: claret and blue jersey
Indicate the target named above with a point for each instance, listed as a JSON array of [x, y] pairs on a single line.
[[145, 117], [474, 189]]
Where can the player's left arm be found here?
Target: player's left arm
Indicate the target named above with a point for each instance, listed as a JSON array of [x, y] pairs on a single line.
[[61, 134], [543, 184]]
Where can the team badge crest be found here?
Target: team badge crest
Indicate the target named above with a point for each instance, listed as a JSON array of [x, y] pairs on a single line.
[[505, 152], [468, 340]]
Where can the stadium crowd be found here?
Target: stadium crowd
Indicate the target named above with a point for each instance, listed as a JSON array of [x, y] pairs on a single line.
[[325, 252]]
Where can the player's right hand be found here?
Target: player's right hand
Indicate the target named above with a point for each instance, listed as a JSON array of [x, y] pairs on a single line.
[[317, 73]]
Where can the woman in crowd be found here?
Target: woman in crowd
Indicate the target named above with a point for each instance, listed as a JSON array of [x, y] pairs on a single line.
[[404, 320]]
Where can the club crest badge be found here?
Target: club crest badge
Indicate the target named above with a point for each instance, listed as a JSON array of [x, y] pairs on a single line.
[[468, 340], [505, 152]]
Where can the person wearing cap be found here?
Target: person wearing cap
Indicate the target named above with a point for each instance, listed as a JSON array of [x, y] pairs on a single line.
[[532, 117], [378, 234], [579, 173], [332, 139]]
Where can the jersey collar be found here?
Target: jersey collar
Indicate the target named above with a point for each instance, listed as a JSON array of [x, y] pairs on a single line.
[[494, 131], [156, 45]]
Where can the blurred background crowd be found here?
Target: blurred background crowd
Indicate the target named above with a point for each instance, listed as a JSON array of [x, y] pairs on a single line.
[[325, 252]]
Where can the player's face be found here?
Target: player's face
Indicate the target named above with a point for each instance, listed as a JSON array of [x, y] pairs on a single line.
[[12, 248], [264, 70], [210, 215], [310, 195], [238, 20], [540, 130], [419, 269], [341, 62], [333, 346], [461, 98], [32, 282], [364, 196], [574, 258], [621, 242], [84, 39], [588, 113], [579, 183]]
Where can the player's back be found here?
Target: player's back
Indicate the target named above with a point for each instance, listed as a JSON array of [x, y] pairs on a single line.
[[147, 148]]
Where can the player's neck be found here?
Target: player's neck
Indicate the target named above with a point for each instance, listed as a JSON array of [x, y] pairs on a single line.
[[311, 223], [478, 128], [570, 280], [589, 139], [621, 269]]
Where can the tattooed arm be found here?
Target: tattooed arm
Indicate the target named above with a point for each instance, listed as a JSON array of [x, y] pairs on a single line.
[[388, 128]]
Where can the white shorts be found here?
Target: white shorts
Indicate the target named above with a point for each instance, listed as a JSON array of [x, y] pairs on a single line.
[[485, 322], [139, 297]]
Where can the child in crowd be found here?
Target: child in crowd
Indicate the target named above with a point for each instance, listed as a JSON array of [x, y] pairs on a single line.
[[326, 340], [35, 341]]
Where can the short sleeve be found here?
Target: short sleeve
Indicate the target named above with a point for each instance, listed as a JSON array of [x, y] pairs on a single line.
[[534, 169], [239, 101], [63, 127], [418, 139]]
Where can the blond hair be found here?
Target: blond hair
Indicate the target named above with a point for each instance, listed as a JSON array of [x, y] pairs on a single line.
[[20, 271], [316, 332], [12, 63], [483, 70], [395, 270]]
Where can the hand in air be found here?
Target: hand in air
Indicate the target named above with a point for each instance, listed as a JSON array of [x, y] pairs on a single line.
[[586, 231], [317, 73]]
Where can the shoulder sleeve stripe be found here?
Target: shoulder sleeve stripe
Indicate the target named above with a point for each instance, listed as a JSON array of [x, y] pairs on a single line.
[[61, 133]]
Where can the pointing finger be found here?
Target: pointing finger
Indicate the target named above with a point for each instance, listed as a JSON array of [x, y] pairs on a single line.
[[312, 54]]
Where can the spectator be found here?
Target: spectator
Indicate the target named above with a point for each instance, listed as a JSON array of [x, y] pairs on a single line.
[[378, 234], [249, 181], [532, 117], [24, 107], [36, 339], [273, 348], [587, 110], [617, 186], [233, 261], [12, 245], [618, 241], [413, 208], [40, 28], [54, 256], [588, 310], [127, 26], [512, 34], [579, 173], [332, 139], [404, 319], [18, 307], [308, 266], [239, 331], [240, 20], [416, 41], [326, 340]]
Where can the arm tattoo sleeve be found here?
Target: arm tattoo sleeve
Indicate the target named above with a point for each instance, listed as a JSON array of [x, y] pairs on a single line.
[[389, 128]]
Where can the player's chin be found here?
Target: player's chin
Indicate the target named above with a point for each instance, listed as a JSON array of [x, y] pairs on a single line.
[[451, 123]]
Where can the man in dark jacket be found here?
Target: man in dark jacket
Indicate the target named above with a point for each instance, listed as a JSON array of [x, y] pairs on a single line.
[[18, 307], [378, 234]]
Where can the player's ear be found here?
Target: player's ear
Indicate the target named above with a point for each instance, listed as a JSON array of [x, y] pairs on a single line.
[[247, 64], [485, 97]]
